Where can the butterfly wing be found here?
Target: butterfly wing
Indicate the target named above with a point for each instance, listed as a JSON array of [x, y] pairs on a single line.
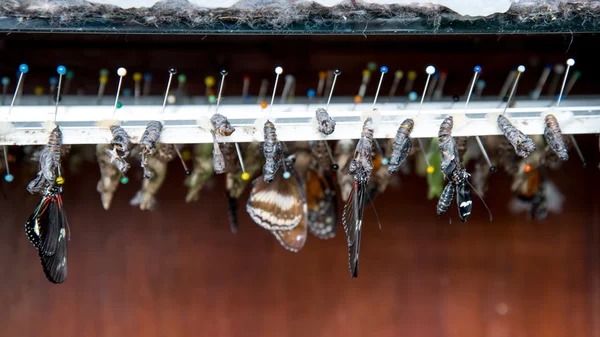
[[463, 199], [55, 266], [352, 220], [43, 225], [321, 199], [293, 240], [278, 205]]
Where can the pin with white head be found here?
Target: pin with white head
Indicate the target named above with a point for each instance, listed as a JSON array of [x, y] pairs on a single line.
[[430, 70], [520, 70], [5, 83], [570, 63], [557, 71], [278, 71], [398, 75], [477, 71], [102, 80], [507, 82], [383, 71], [23, 69], [121, 72], [326, 124], [245, 88], [61, 70], [535, 94], [147, 84]]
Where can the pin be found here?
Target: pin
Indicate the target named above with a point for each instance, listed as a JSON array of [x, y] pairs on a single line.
[[5, 83], [479, 88], [430, 70], [147, 84], [310, 94], [520, 70], [246, 87], [329, 81], [477, 70], [439, 90], [172, 71], [366, 78], [398, 75], [570, 63], [535, 94], [8, 177], [137, 89], [222, 127], [509, 80], [410, 81], [52, 91], [272, 148], [61, 70], [262, 92], [102, 79], [187, 171], [69, 76], [23, 69], [325, 122], [558, 70], [321, 83], [287, 87], [522, 143], [384, 71], [121, 72]]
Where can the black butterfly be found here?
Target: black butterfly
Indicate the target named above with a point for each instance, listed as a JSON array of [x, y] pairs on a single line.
[[48, 230]]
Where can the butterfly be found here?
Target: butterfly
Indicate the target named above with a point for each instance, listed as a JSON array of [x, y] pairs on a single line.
[[280, 207], [48, 230]]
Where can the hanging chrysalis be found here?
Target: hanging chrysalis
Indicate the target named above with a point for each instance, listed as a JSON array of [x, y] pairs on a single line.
[[273, 151], [326, 123], [217, 158], [554, 137], [401, 146], [49, 163], [522, 143], [122, 146], [148, 143], [448, 149]]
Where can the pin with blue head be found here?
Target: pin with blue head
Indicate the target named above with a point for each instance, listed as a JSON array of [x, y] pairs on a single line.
[[413, 96], [383, 70], [61, 70], [23, 69], [311, 93], [286, 175], [127, 92], [8, 177], [5, 83], [477, 70], [147, 84]]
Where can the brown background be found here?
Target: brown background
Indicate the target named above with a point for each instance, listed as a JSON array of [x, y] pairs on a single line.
[[179, 271]]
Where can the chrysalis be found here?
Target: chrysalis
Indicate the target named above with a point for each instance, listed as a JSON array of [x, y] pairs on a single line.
[[272, 150], [554, 138], [522, 143], [401, 146]]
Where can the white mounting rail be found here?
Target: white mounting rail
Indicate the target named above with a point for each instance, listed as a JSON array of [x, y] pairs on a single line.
[[187, 124]]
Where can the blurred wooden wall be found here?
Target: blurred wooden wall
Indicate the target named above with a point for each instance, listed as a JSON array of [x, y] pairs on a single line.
[[178, 271]]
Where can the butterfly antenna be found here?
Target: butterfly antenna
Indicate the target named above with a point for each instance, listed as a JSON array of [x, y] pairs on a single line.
[[480, 197]]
